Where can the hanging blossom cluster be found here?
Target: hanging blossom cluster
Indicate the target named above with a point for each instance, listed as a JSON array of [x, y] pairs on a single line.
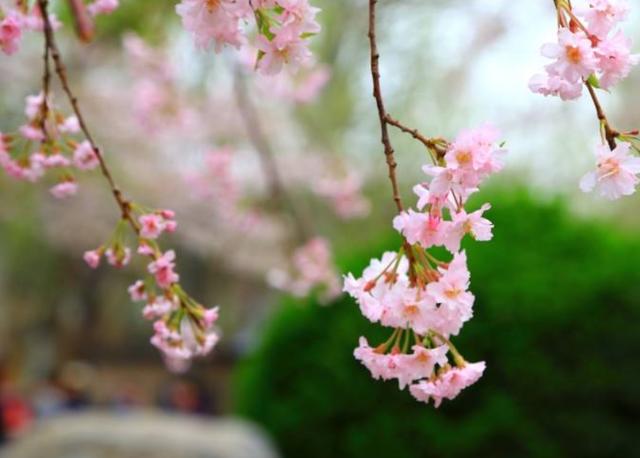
[[282, 28], [593, 52], [424, 299], [51, 142]]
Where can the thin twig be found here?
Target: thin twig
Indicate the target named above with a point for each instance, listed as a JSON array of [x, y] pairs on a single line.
[[609, 132], [123, 203], [46, 84], [262, 145], [382, 113], [384, 129], [432, 144]]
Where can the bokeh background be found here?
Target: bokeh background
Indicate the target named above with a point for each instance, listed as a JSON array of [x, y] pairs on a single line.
[[558, 289]]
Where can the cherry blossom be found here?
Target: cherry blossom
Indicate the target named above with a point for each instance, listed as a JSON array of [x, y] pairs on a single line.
[[616, 173], [162, 269], [282, 26], [448, 384]]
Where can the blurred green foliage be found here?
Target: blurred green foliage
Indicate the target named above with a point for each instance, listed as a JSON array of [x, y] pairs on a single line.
[[557, 314]]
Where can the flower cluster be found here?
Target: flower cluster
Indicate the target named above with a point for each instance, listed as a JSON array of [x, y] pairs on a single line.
[[592, 52], [427, 300], [312, 270], [283, 27], [183, 328], [589, 48], [47, 142], [15, 20]]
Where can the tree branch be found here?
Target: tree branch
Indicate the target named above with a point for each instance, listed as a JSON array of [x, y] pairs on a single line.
[[50, 43], [384, 129]]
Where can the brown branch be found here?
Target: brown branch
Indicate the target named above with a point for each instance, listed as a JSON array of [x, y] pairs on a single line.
[[434, 144], [382, 114], [384, 129], [46, 84], [123, 203], [262, 145]]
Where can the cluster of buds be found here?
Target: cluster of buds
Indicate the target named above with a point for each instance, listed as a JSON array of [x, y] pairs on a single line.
[[183, 328], [424, 299], [593, 52], [48, 141], [282, 28]]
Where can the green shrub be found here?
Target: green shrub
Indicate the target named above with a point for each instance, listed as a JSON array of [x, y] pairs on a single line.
[[557, 317]]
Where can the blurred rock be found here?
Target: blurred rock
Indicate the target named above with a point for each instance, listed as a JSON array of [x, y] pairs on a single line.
[[141, 435]]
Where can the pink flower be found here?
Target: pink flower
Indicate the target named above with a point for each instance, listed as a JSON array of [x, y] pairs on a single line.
[[71, 125], [285, 48], [463, 223], [145, 249], [574, 56], [10, 33], [451, 291], [602, 15], [55, 160], [33, 106], [159, 307], [616, 172], [162, 268], [426, 229], [64, 189], [406, 368], [615, 59], [212, 21], [92, 258], [137, 291], [118, 256], [151, 225], [449, 384], [84, 156], [555, 85], [210, 316]]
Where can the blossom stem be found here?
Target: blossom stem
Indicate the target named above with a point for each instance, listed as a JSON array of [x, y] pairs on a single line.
[[610, 133], [432, 144], [457, 357]]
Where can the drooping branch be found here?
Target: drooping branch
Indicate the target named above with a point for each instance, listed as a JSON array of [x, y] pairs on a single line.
[[382, 113], [60, 69], [383, 117]]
